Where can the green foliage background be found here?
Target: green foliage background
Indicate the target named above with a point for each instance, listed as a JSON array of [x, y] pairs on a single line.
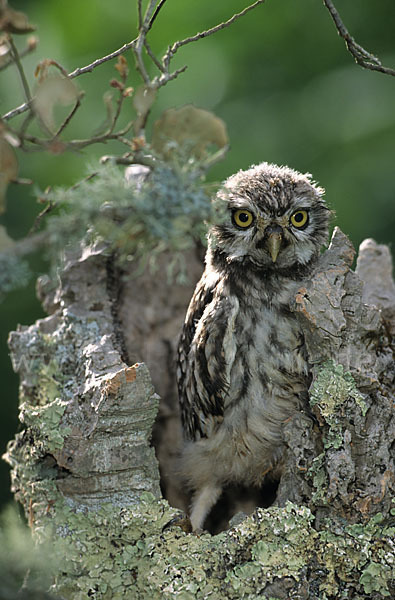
[[280, 78]]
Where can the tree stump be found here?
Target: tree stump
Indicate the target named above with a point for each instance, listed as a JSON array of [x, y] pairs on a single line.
[[85, 470]]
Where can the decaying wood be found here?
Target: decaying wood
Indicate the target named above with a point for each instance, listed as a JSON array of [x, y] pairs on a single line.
[[152, 311], [88, 416], [348, 319], [83, 465]]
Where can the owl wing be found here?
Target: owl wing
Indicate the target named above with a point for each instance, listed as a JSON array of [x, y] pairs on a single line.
[[205, 360]]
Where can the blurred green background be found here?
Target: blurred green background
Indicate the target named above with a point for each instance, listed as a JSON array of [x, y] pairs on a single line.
[[280, 78]]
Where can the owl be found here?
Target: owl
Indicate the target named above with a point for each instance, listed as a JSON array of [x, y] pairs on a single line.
[[242, 365]]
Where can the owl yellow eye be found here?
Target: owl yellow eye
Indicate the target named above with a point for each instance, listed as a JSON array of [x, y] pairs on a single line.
[[242, 218], [300, 218]]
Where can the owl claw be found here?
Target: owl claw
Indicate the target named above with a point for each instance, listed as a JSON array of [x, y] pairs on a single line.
[[182, 520]]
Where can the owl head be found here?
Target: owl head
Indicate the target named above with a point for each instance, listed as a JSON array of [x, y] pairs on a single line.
[[275, 218]]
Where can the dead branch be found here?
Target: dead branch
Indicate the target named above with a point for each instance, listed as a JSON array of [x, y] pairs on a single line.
[[194, 38], [362, 57], [138, 46]]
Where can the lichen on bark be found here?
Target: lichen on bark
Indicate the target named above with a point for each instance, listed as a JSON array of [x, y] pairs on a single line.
[[86, 473], [87, 415]]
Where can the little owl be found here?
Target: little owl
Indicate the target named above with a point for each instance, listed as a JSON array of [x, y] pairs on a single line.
[[242, 368]]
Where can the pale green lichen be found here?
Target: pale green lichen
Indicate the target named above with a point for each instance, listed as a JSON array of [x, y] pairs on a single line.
[[49, 387], [43, 412], [121, 553], [331, 393], [374, 578], [319, 477], [117, 555], [361, 553], [46, 422], [171, 564], [332, 387]]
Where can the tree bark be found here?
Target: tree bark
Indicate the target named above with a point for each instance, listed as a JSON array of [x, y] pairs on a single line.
[[86, 473], [348, 321]]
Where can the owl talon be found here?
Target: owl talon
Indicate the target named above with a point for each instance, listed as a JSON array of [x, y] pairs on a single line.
[[182, 521]]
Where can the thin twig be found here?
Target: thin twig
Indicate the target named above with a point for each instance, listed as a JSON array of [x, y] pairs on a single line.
[[194, 38], [87, 178], [365, 59], [140, 66], [29, 48], [216, 157], [132, 158], [76, 73], [148, 49], [69, 117], [16, 111], [166, 77], [154, 16], [137, 46], [39, 143], [55, 63], [99, 61], [37, 221], [150, 10], [22, 181], [102, 139], [115, 118], [140, 13], [16, 58], [144, 25], [26, 122], [153, 57], [132, 46]]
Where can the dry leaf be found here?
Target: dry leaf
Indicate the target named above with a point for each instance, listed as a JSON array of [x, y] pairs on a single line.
[[142, 102], [138, 143], [189, 127], [8, 169], [14, 21], [106, 124], [143, 99], [32, 42], [52, 91], [122, 67], [128, 92], [117, 84], [4, 51]]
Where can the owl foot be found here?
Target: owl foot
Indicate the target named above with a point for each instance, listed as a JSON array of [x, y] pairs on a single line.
[[237, 519], [182, 521]]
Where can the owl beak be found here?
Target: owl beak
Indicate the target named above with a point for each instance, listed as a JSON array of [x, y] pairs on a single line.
[[274, 243]]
